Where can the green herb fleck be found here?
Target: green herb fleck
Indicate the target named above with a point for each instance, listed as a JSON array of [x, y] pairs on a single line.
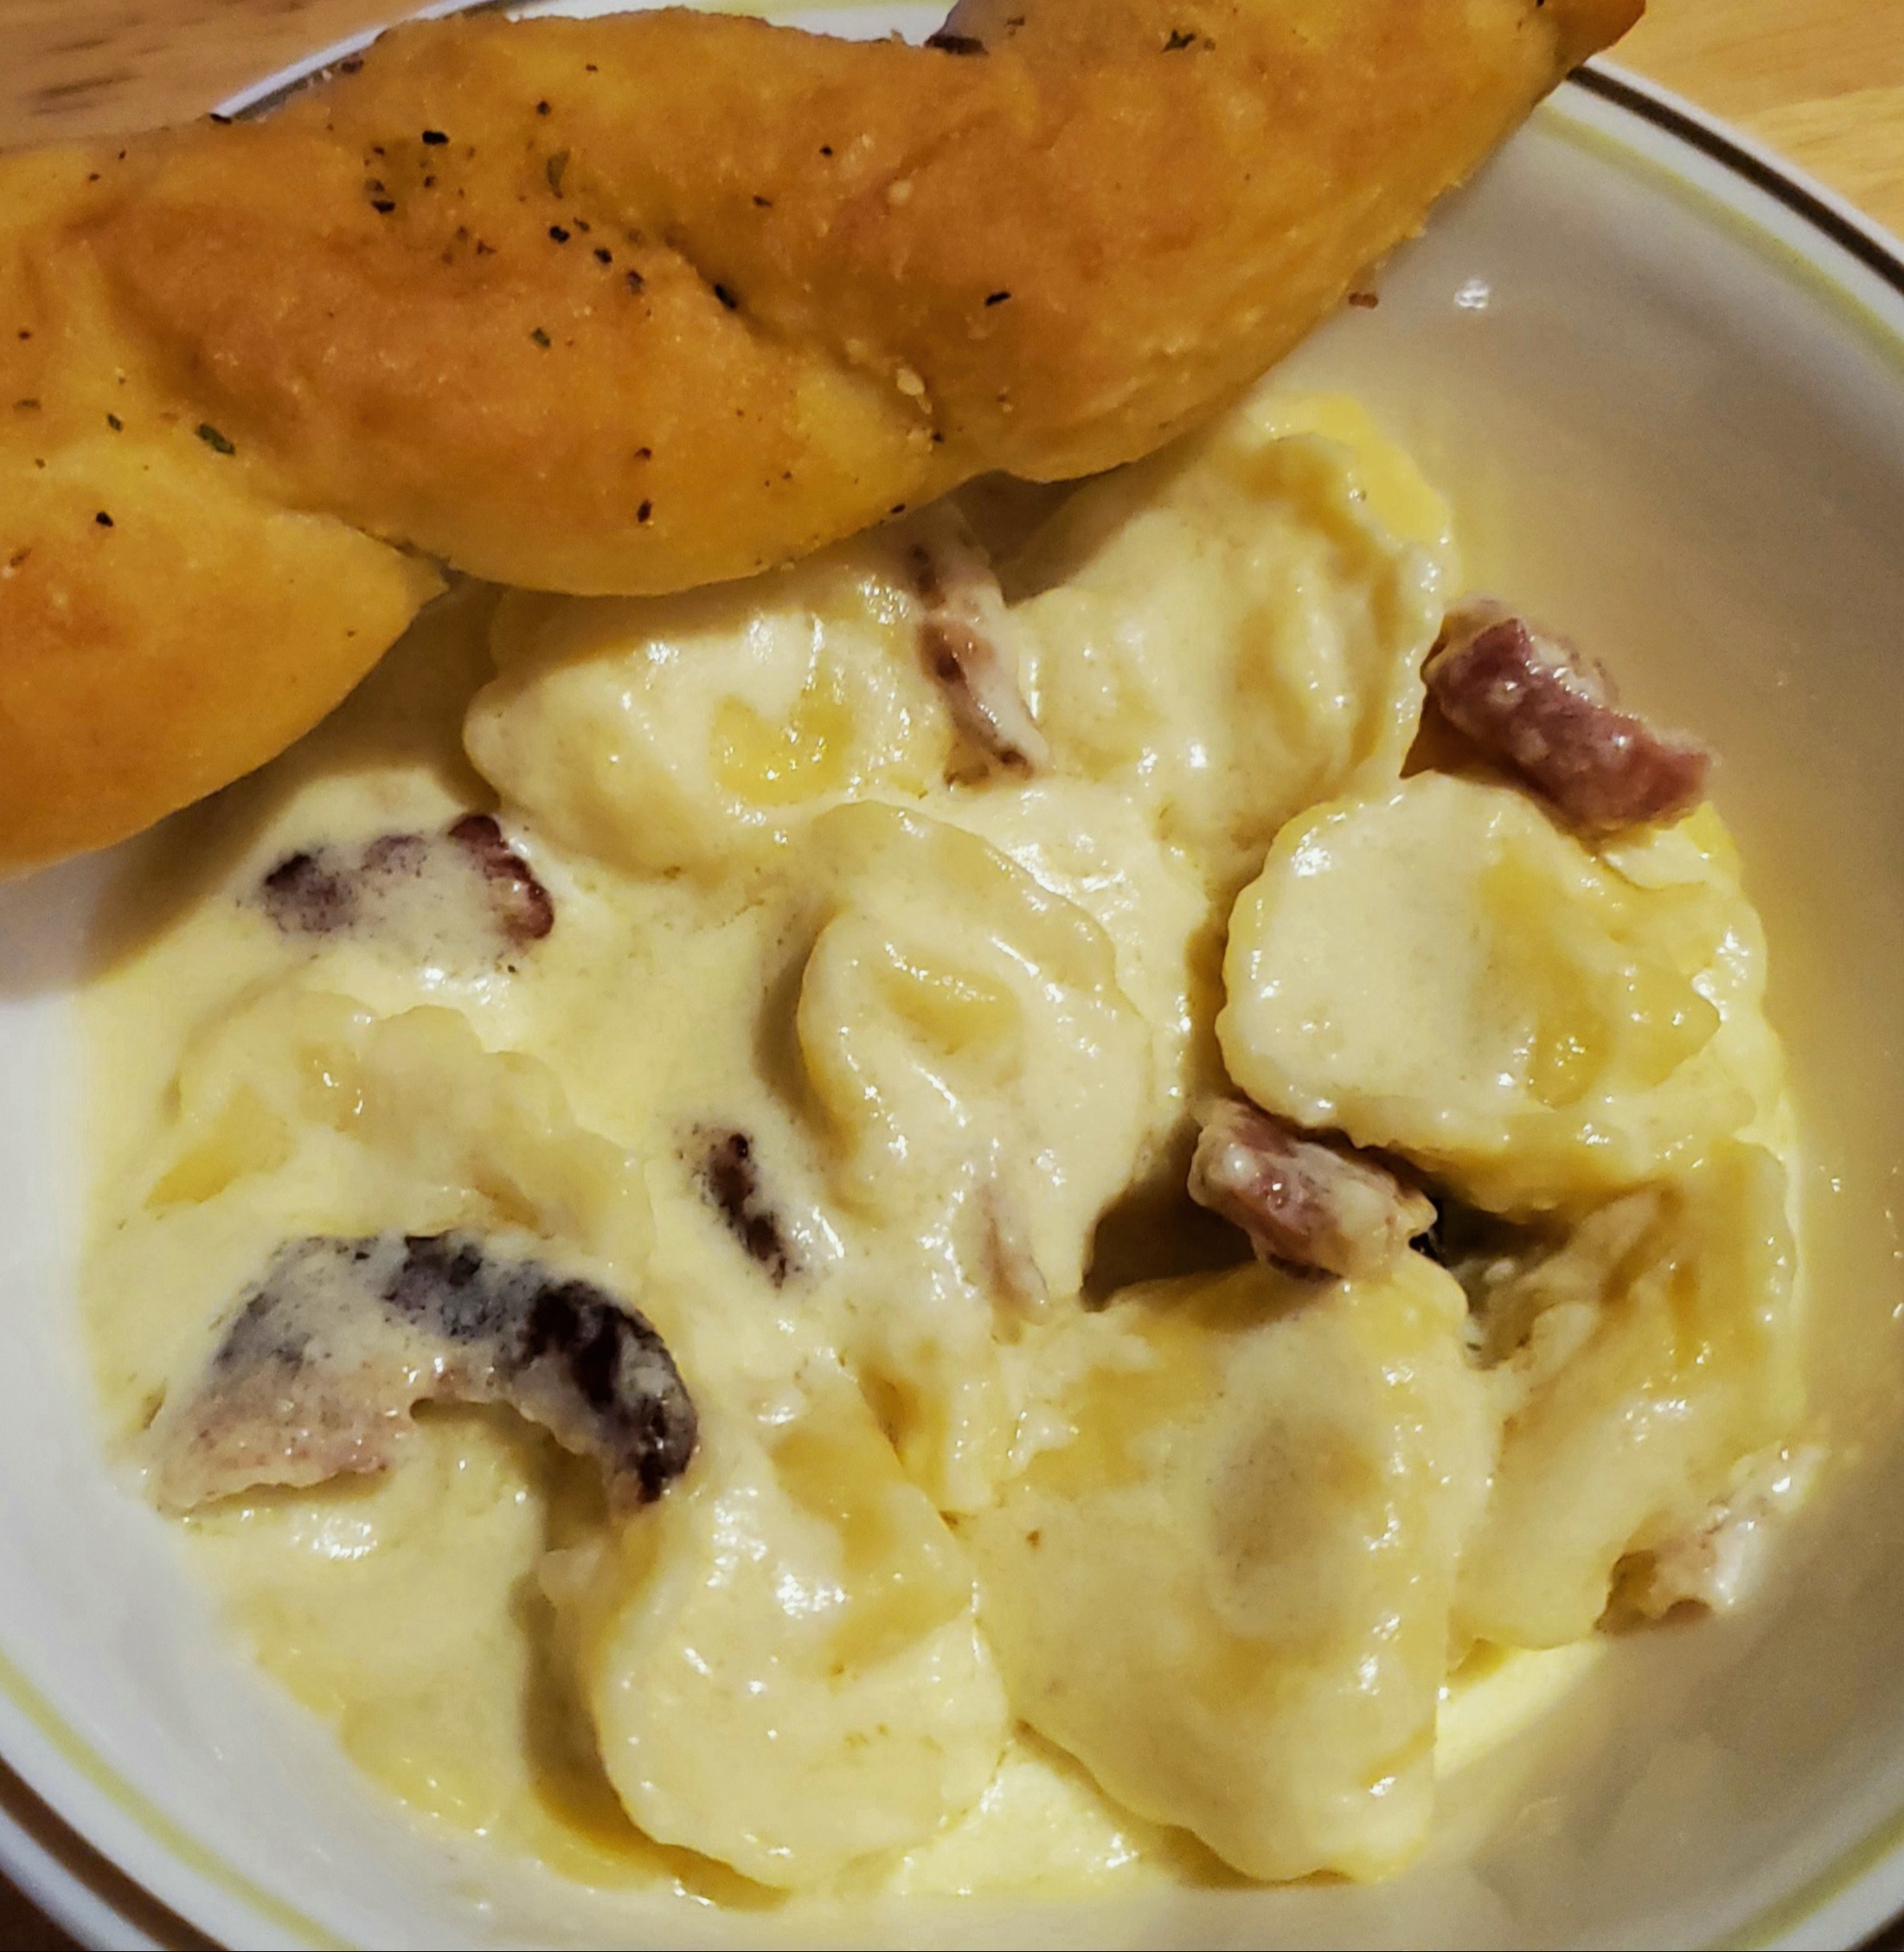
[[540, 337], [117, 425], [213, 439]]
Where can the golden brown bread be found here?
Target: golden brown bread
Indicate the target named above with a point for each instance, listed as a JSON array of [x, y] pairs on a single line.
[[629, 305], [167, 622]]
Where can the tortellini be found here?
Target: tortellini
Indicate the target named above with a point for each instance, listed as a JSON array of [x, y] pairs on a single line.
[[982, 1089], [1225, 1586], [965, 1036], [700, 732], [1235, 627], [781, 1660], [449, 1544], [413, 1094], [1441, 971], [1087, 842], [1640, 1362]]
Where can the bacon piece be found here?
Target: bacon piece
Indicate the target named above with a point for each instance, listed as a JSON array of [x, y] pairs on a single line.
[[524, 911], [329, 1351], [311, 893], [1303, 1202], [1532, 703], [432, 894], [965, 638], [730, 1179]]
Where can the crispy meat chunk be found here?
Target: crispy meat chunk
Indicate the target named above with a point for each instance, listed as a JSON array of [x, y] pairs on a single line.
[[964, 639], [730, 1180], [313, 892], [329, 1351], [522, 905], [1535, 706], [465, 894], [1303, 1201]]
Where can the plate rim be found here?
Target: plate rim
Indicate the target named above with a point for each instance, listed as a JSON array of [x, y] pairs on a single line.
[[69, 1822]]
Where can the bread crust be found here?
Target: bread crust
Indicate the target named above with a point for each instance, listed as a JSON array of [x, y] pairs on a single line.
[[629, 305]]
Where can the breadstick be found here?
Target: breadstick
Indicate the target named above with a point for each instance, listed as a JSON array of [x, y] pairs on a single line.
[[627, 305]]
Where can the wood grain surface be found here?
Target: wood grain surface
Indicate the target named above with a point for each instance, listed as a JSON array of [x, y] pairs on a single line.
[[1822, 80]]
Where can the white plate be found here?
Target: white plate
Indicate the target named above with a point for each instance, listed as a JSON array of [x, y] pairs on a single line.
[[1664, 381]]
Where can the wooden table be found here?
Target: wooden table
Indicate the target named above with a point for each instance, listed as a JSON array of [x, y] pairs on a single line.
[[1821, 79]]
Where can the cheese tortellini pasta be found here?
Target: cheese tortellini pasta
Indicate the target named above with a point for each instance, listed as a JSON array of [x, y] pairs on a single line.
[[782, 1667], [964, 1032], [1306, 575], [699, 732], [1225, 1584], [1441, 971], [1640, 1361]]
